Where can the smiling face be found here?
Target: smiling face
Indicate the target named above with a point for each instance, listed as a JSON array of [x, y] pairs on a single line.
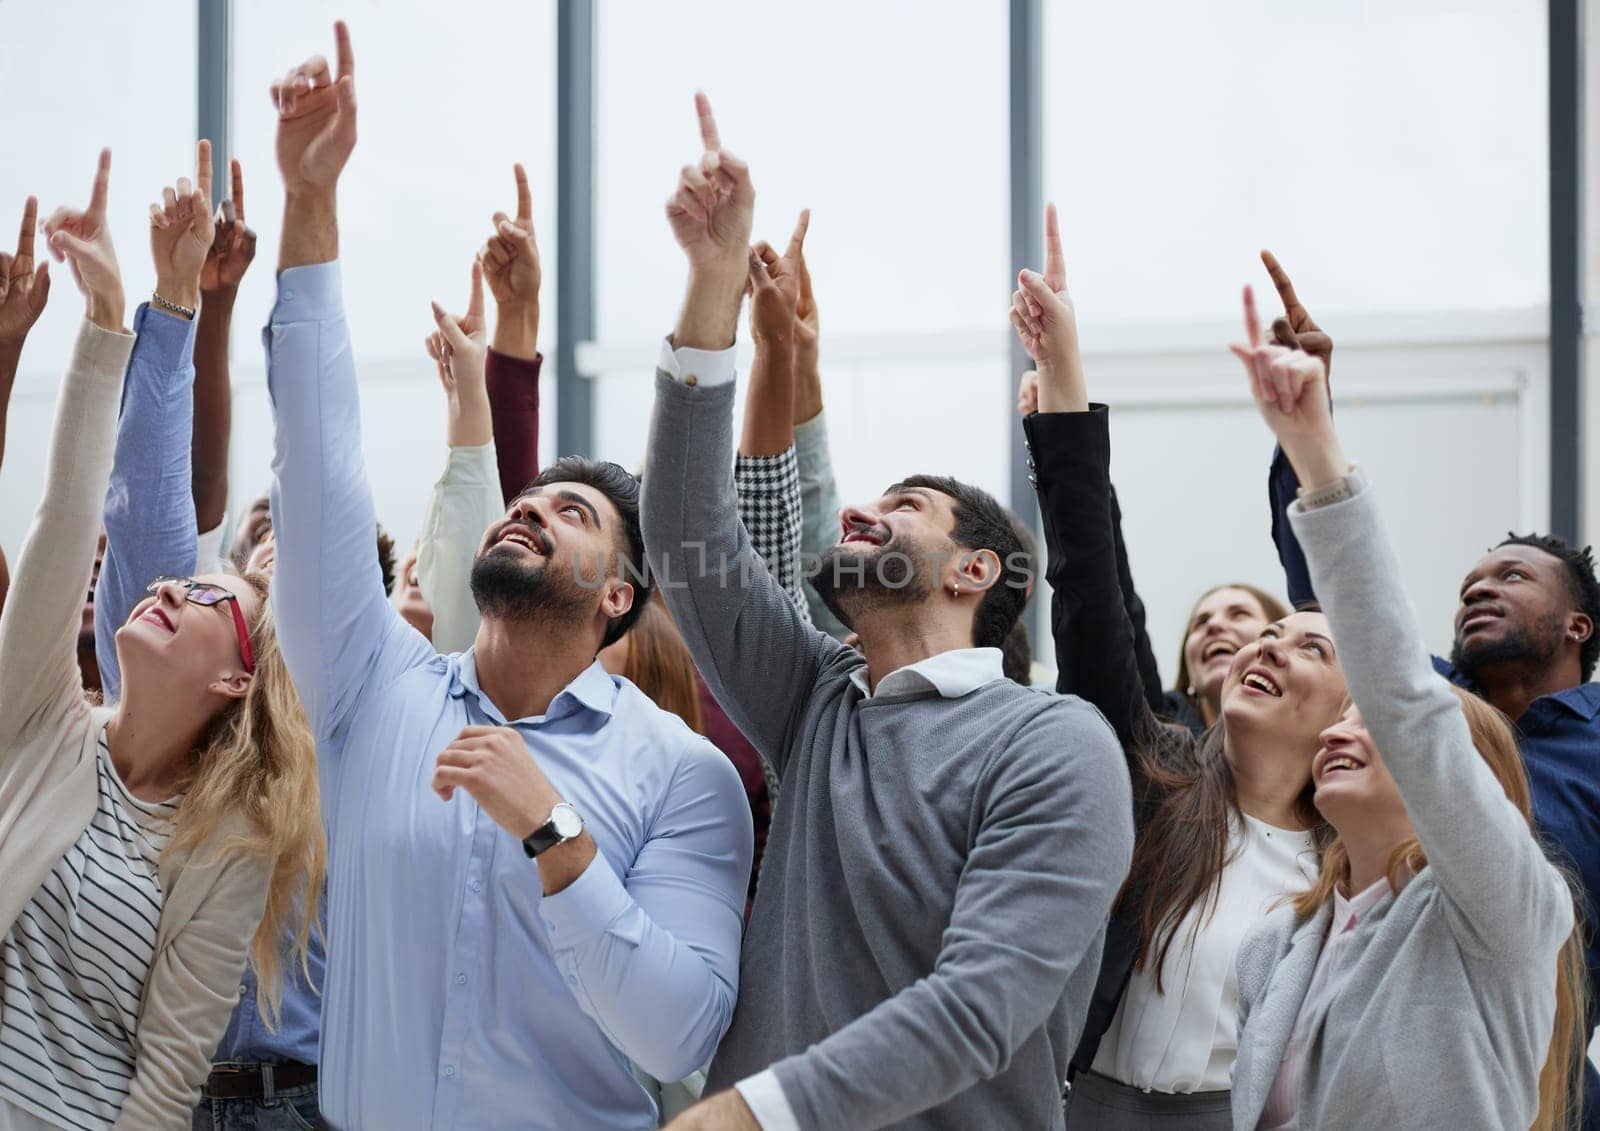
[[888, 551], [193, 650], [1516, 605], [1351, 780], [1223, 622], [1286, 683], [556, 550]]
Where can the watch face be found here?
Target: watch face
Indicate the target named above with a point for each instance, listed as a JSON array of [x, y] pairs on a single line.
[[566, 820]]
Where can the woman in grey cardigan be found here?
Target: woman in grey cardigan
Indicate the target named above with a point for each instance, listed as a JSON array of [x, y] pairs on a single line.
[[1430, 979]]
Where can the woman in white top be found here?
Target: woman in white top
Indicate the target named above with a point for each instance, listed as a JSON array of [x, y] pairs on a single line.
[[150, 846], [1225, 823], [1433, 976]]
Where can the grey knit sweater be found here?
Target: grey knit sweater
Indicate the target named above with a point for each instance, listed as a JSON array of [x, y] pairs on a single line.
[[932, 904], [1444, 1001]]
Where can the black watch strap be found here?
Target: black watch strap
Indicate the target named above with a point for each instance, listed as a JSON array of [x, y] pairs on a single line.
[[542, 838]]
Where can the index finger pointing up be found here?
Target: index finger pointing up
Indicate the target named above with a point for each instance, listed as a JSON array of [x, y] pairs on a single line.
[[798, 240], [709, 138], [524, 196], [1252, 320], [238, 189], [1055, 263], [1280, 279], [102, 181], [30, 221], [343, 52], [202, 169]]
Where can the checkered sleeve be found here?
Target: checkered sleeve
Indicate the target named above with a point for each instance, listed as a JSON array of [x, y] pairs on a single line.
[[769, 505]]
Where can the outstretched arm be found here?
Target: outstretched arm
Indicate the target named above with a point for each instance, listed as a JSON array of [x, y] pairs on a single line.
[[819, 494], [1503, 895], [466, 500], [338, 632], [725, 604], [38, 634], [1293, 329], [24, 289], [511, 267], [233, 247], [766, 475], [1070, 442], [150, 512]]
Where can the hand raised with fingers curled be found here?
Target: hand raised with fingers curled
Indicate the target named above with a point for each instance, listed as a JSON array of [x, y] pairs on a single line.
[[713, 206], [181, 233], [83, 240], [317, 119], [1047, 326], [233, 247], [1295, 328]]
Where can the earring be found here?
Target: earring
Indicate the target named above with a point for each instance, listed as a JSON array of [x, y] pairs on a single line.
[[955, 590]]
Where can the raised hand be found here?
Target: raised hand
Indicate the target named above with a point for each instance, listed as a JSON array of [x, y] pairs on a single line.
[[1043, 317], [181, 233], [511, 267], [459, 351], [712, 209], [1290, 388], [83, 241], [806, 328], [317, 119], [1296, 328], [775, 288], [24, 288], [233, 247]]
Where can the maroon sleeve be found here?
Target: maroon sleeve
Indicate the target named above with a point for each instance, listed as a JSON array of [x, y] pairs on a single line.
[[727, 738], [514, 408]]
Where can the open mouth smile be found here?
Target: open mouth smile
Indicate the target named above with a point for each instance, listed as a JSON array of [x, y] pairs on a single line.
[[1259, 682], [157, 615], [1477, 618], [1218, 648], [525, 537], [871, 535]]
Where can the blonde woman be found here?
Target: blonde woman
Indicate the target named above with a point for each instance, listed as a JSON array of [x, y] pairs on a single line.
[[1433, 976], [151, 845]]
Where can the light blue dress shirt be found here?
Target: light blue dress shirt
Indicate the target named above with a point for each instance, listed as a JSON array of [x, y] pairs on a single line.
[[457, 995]]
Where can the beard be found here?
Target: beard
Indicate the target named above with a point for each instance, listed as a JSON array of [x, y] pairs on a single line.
[[508, 589], [1533, 646], [851, 582]]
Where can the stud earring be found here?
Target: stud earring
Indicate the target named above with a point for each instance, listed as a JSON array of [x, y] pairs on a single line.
[[955, 590]]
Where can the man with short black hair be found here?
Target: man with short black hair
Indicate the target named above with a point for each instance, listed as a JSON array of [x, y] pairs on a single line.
[[536, 875], [947, 844]]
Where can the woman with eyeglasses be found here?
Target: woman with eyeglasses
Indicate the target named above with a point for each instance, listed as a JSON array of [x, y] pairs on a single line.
[[152, 845]]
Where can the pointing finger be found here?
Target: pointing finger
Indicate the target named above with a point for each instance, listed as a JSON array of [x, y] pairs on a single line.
[[1055, 263], [343, 51], [524, 195], [238, 188], [475, 301], [797, 241], [710, 140], [30, 222], [1280, 280], [202, 169], [102, 182], [1252, 320]]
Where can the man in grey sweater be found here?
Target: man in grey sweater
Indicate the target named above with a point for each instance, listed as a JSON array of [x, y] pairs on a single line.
[[947, 844]]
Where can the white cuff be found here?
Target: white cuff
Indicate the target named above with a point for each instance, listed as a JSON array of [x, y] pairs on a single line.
[[763, 1095], [697, 367]]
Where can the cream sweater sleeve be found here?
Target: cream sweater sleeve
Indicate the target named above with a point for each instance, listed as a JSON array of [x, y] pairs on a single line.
[[39, 677]]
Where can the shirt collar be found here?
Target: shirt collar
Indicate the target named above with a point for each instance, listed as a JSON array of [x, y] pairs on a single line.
[[1583, 700], [951, 674], [1349, 912], [593, 689]]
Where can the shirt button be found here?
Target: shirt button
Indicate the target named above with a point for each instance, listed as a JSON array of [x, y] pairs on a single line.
[[449, 1070], [244, 990], [477, 885], [691, 380], [461, 979], [288, 296], [572, 979]]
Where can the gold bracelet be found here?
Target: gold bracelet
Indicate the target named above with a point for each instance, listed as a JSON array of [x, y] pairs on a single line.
[[165, 304]]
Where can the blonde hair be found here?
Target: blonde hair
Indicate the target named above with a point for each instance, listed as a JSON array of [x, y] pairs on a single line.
[[1560, 1093], [258, 758], [659, 665]]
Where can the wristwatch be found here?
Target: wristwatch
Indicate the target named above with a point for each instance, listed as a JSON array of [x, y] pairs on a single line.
[[564, 825]]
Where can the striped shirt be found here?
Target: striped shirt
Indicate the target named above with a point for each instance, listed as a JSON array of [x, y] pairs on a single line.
[[76, 962]]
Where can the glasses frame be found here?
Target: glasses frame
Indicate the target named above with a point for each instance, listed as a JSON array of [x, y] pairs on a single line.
[[207, 595]]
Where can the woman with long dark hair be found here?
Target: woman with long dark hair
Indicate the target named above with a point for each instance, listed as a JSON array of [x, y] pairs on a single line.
[[1224, 819], [1437, 911]]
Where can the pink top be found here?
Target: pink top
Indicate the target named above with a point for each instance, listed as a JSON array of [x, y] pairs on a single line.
[[1282, 1110]]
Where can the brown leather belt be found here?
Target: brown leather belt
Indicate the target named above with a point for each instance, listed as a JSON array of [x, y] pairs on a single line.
[[249, 1081]]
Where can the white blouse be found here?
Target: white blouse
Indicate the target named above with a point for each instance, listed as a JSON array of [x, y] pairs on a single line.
[[1185, 1040]]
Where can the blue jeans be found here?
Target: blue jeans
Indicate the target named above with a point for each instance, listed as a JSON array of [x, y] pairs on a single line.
[[290, 1109]]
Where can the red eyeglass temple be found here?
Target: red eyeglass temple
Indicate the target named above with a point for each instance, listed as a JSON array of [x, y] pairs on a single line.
[[246, 653]]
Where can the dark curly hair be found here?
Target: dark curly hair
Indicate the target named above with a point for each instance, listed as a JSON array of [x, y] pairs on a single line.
[[1582, 587], [386, 558]]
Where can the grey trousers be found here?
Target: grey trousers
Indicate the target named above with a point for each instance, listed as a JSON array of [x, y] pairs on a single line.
[[1098, 1103]]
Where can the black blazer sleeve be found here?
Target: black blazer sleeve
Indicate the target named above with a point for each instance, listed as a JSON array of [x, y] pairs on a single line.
[[1144, 655], [1096, 655]]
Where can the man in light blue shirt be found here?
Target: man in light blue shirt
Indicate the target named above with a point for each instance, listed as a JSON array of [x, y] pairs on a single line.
[[468, 985]]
